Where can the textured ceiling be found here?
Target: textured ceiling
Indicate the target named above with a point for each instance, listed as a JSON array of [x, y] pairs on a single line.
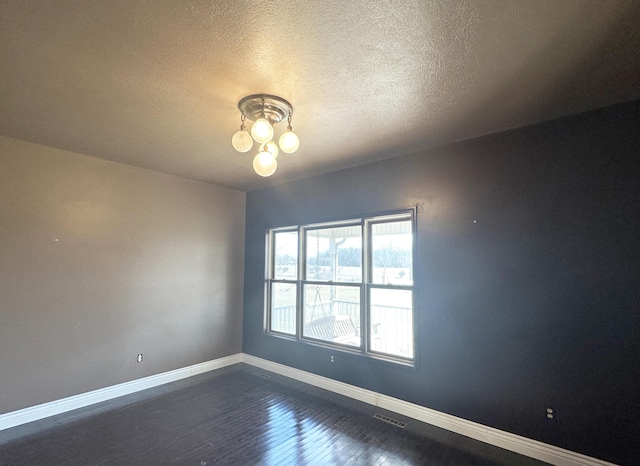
[[156, 83]]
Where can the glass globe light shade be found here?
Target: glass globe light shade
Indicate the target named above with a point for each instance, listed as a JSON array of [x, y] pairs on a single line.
[[262, 131], [289, 142], [265, 163], [241, 141], [270, 147]]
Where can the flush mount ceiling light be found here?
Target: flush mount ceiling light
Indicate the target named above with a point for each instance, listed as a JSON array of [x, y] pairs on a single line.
[[265, 110]]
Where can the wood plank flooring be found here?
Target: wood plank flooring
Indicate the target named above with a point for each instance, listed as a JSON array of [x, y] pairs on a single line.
[[238, 416]]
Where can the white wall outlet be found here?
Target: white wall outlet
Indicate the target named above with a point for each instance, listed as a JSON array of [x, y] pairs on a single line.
[[139, 358]]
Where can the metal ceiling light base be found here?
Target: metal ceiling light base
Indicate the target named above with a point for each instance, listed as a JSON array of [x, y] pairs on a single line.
[[265, 110], [275, 108]]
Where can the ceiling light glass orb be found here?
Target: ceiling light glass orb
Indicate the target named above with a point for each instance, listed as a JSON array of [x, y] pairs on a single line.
[[262, 131], [289, 141], [241, 141], [265, 163], [270, 147]]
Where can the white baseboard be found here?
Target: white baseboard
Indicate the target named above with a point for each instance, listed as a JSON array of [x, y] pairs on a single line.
[[33, 413], [516, 443]]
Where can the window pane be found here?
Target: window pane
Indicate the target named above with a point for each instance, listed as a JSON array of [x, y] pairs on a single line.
[[332, 313], [283, 308], [286, 255], [335, 254], [392, 322], [392, 257]]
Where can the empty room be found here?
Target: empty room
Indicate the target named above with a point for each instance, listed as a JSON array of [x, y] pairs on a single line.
[[294, 232]]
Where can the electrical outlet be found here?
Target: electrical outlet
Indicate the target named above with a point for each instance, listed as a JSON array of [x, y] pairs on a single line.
[[551, 413], [139, 358], [332, 360]]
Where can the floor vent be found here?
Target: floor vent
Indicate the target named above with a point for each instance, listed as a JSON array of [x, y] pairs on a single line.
[[390, 420], [262, 376]]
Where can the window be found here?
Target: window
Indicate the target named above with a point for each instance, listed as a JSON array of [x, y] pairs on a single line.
[[346, 284]]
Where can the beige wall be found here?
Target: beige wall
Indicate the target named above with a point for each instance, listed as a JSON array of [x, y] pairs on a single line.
[[100, 261]]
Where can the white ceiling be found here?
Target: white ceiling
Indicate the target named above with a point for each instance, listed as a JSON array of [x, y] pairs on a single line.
[[156, 84]]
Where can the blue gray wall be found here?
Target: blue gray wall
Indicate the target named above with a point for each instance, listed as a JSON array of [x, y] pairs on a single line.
[[527, 278]]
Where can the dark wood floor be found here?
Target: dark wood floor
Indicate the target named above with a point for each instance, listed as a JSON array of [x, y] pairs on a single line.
[[239, 416]]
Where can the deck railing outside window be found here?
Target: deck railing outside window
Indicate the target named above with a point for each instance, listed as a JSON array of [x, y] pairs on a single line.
[[392, 326]]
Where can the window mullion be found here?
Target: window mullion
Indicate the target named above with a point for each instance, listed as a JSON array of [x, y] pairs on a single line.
[[366, 278], [302, 266], [269, 244]]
